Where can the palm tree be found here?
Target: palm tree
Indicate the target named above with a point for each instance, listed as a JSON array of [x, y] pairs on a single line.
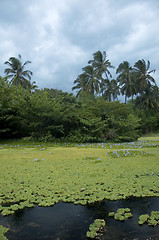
[[111, 89], [87, 81], [115, 89], [81, 84], [91, 80], [101, 66], [16, 71], [149, 99], [93, 83], [143, 77], [126, 80]]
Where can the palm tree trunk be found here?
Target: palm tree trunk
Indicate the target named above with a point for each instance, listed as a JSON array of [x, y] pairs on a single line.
[[125, 98]]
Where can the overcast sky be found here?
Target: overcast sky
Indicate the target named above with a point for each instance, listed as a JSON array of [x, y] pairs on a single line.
[[60, 36]]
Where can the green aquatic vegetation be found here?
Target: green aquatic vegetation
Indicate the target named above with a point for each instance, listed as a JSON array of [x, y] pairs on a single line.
[[111, 214], [155, 215], [152, 219], [96, 229], [143, 218], [127, 215], [121, 214], [3, 230], [65, 175], [152, 222]]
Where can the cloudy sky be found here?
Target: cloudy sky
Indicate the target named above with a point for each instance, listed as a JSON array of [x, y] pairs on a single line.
[[60, 36]]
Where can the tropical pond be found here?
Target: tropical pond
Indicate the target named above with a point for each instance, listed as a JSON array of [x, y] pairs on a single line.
[[49, 191]]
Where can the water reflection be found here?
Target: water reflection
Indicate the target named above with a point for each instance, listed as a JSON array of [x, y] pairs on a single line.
[[70, 222]]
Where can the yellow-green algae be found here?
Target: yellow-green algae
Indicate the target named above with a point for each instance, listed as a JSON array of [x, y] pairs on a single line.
[[81, 174], [152, 219], [96, 229], [121, 214], [3, 230]]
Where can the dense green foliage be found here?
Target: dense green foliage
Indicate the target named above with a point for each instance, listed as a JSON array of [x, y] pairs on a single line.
[[91, 116], [50, 114]]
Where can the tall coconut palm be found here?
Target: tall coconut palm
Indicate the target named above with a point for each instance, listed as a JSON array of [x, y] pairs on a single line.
[[101, 66], [16, 71], [143, 77], [126, 80]]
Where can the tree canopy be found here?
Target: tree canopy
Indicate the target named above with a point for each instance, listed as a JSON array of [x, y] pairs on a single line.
[[94, 114]]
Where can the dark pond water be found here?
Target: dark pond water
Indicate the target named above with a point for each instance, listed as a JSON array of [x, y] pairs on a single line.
[[70, 222]]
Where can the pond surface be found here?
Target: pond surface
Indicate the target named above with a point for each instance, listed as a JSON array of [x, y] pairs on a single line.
[[66, 221]]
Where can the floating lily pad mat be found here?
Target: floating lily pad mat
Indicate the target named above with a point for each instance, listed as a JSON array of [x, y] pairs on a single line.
[[66, 221]]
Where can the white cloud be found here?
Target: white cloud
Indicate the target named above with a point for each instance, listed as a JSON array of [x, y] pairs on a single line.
[[141, 39]]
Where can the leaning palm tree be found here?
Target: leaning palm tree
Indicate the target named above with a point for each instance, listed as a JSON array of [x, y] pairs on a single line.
[[16, 71], [126, 80], [143, 77], [101, 66]]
